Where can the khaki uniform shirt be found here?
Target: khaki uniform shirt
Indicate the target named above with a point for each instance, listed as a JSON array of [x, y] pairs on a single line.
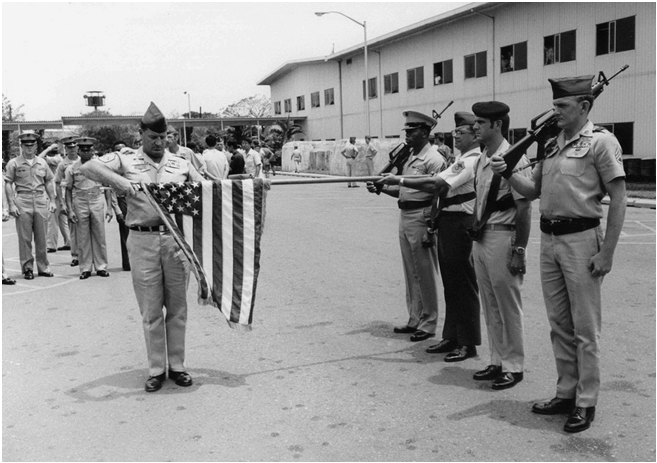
[[573, 175], [75, 180], [26, 177], [139, 167], [428, 161], [483, 178], [460, 178]]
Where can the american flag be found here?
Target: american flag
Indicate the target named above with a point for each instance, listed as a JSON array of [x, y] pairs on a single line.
[[218, 225]]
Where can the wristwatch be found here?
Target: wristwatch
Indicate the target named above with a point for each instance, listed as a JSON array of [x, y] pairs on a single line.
[[401, 181], [519, 250]]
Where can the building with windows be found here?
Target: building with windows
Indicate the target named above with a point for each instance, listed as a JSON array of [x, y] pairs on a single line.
[[482, 51]]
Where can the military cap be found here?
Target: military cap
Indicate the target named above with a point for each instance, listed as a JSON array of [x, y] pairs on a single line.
[[415, 119], [492, 110], [172, 129], [463, 118], [28, 138], [571, 86], [69, 141], [85, 143], [154, 119]]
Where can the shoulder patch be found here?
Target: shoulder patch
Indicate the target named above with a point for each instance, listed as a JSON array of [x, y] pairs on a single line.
[[109, 157], [458, 166]]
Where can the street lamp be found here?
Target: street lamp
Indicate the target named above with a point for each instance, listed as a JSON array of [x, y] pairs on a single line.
[[189, 116], [367, 93]]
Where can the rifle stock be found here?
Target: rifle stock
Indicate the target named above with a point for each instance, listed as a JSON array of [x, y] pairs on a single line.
[[545, 130]]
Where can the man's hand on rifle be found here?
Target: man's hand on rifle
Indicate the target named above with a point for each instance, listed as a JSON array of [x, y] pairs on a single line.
[[389, 180], [497, 164]]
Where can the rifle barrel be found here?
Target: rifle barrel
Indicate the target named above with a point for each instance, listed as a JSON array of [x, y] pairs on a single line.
[[306, 181]]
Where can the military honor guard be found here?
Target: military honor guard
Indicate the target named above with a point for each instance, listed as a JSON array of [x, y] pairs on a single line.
[[582, 167], [160, 273], [33, 201], [87, 203], [501, 232], [420, 262]]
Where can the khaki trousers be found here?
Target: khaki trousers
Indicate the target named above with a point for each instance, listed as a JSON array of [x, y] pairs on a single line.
[[90, 230], [420, 270], [160, 276], [57, 223], [32, 222], [500, 298]]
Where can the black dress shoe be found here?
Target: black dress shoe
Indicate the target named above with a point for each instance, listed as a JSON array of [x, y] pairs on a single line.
[[420, 335], [64, 248], [102, 273], [507, 380], [51, 250], [28, 275], [443, 346], [154, 383], [461, 353], [181, 378], [45, 274], [404, 329], [490, 372], [8, 281], [85, 275], [555, 406], [75, 263], [580, 419]]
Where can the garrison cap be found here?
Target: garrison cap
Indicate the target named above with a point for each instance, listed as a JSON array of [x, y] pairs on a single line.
[[85, 143], [28, 138], [69, 141], [492, 110], [154, 119], [463, 118], [415, 119], [571, 86]]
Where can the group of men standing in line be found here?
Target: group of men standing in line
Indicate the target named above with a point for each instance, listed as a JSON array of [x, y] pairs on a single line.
[[479, 220], [48, 195]]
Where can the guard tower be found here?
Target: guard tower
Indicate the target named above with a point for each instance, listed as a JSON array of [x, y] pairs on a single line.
[[95, 98]]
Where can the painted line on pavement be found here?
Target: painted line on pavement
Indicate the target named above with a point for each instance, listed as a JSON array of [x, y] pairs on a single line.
[[40, 288]]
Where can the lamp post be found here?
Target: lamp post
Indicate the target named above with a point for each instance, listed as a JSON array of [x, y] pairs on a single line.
[[189, 116], [367, 93]]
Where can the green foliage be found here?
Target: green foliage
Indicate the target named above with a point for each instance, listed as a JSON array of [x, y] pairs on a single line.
[[282, 132], [107, 135]]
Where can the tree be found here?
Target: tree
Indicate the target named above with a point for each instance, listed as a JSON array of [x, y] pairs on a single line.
[[282, 132], [108, 135], [9, 113], [253, 106]]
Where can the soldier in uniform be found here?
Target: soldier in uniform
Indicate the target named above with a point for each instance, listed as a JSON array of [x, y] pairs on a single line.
[[571, 181], [503, 217], [71, 148], [87, 204], [32, 180], [350, 152], [160, 273], [173, 137], [455, 189], [420, 262], [58, 218]]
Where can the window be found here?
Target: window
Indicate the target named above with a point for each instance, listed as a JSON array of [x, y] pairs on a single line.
[[442, 72], [615, 36], [371, 84], [329, 97], [288, 105], [301, 103], [624, 131], [314, 100], [514, 57], [515, 135], [415, 78], [348, 61], [559, 48], [475, 65], [391, 83], [277, 107]]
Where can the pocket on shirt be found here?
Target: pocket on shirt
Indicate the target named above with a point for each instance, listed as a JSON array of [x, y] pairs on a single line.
[[574, 163]]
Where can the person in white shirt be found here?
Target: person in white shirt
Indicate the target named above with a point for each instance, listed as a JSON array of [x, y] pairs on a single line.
[[252, 161], [215, 160]]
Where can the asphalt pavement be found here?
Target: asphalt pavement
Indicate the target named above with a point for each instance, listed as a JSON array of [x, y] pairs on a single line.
[[321, 377]]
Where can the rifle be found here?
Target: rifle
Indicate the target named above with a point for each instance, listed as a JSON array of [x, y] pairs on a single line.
[[400, 154], [546, 131]]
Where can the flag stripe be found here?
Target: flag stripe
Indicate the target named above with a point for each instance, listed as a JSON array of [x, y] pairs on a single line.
[[216, 238], [238, 252], [258, 210], [227, 248], [248, 251], [203, 231]]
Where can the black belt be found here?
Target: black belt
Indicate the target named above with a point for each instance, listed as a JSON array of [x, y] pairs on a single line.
[[406, 205], [566, 226], [156, 228], [498, 227], [28, 192], [455, 213]]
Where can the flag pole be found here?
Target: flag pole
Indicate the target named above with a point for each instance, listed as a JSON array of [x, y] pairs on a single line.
[[302, 181]]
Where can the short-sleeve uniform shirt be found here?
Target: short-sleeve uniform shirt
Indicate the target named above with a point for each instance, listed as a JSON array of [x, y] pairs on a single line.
[[428, 161], [26, 176], [138, 167], [483, 179], [75, 180], [573, 175], [460, 178]]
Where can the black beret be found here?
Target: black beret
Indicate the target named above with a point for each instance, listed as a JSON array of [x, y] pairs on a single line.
[[571, 86], [492, 110], [463, 118]]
